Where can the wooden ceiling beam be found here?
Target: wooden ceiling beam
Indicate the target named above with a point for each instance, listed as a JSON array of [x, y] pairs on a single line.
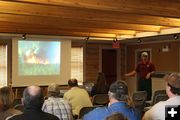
[[163, 8], [88, 30], [34, 31], [85, 14], [65, 23]]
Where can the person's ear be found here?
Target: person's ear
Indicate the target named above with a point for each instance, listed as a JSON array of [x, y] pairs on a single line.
[[22, 101], [168, 91]]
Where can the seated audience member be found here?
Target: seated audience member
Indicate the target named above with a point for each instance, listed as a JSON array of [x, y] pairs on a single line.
[[33, 100], [118, 102], [101, 86], [56, 105], [116, 116], [78, 97], [6, 100], [157, 112]]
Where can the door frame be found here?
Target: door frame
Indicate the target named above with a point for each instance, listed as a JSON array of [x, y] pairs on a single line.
[[118, 60]]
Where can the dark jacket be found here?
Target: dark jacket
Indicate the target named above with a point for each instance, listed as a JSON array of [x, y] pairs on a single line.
[[33, 114], [8, 113]]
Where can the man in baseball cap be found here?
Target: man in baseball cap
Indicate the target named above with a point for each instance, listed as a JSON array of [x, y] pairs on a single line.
[[144, 69], [144, 54], [118, 102]]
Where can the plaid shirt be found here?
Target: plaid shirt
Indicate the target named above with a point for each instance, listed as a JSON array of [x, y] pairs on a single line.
[[58, 107]]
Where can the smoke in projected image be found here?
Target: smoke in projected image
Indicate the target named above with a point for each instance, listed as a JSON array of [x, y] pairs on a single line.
[[39, 57]]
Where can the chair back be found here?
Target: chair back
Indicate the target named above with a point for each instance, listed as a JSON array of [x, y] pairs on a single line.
[[156, 93], [100, 99], [161, 97], [84, 111], [139, 98]]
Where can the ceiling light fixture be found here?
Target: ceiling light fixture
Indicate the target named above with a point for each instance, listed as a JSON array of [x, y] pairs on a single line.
[[115, 43], [139, 40], [176, 36], [24, 36]]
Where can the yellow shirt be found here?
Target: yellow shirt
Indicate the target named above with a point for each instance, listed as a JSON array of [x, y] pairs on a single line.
[[78, 98]]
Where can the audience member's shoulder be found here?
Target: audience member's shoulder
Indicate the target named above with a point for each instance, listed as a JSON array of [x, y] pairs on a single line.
[[16, 117], [17, 112], [155, 108], [83, 89], [159, 104], [52, 117], [23, 117], [154, 111], [13, 111], [94, 114], [64, 101], [66, 93], [101, 109]]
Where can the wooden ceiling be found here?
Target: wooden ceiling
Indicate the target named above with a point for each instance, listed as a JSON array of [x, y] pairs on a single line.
[[97, 18]]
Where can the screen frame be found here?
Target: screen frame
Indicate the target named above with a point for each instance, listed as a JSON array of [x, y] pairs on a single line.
[[42, 80]]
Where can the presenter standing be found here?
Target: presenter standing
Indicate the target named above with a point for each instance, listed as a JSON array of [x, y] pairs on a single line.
[[144, 69]]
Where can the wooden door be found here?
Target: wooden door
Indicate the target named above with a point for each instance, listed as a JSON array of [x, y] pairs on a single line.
[[109, 65]]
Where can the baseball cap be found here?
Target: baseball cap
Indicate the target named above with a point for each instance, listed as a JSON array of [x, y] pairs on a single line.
[[144, 54], [119, 88]]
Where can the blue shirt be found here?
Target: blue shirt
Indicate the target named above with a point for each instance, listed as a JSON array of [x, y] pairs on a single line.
[[102, 112]]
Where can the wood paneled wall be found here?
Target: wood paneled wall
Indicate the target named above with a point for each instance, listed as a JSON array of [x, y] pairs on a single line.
[[123, 61], [92, 61]]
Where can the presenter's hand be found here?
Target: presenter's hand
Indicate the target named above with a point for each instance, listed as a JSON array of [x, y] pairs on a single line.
[[148, 75], [126, 75]]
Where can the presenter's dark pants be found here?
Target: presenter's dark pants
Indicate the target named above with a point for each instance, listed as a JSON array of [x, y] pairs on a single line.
[[145, 85]]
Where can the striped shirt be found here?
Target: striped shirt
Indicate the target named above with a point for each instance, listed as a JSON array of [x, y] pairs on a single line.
[[58, 107]]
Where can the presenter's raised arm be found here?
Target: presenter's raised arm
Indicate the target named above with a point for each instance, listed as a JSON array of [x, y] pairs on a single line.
[[132, 73]]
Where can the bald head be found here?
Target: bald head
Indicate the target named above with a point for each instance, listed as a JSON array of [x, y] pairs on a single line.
[[33, 97], [33, 90]]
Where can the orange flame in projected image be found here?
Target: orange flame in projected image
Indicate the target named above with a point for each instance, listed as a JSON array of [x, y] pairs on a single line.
[[33, 59]]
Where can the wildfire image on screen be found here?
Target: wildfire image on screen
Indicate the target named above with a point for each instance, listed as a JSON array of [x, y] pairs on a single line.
[[39, 57]]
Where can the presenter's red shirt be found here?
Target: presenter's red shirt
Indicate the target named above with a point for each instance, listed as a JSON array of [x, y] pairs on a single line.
[[143, 69]]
